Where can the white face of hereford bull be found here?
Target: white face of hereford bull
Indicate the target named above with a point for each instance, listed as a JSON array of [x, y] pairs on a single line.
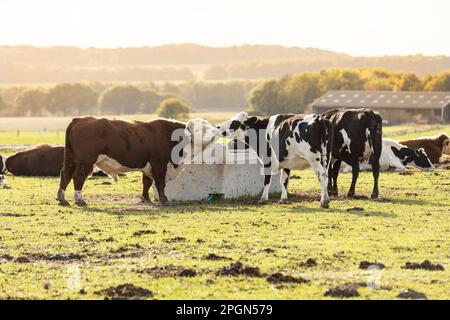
[[201, 130]]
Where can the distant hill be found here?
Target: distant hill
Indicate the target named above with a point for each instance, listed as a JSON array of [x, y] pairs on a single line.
[[177, 54], [28, 64]]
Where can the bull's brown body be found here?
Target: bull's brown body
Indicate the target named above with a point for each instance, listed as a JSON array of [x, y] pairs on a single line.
[[434, 146], [41, 160]]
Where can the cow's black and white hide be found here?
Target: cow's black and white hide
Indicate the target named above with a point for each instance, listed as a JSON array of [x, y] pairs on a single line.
[[357, 137], [286, 142], [396, 157]]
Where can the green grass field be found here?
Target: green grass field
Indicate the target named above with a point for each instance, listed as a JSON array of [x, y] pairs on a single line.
[[53, 252]]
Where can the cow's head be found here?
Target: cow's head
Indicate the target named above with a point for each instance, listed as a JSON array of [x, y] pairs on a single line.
[[237, 126], [2, 164], [415, 158], [200, 129], [446, 146]]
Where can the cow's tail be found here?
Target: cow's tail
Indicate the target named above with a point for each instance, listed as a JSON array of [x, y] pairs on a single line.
[[69, 159], [68, 151], [376, 136]]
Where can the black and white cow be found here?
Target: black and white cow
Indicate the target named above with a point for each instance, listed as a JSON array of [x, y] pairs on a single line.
[[395, 156], [357, 137], [286, 142]]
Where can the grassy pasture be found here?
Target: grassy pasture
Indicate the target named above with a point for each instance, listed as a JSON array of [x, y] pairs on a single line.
[[48, 251]]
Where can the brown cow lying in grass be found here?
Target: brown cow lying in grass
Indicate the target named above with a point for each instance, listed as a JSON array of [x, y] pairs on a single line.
[[435, 146], [42, 160]]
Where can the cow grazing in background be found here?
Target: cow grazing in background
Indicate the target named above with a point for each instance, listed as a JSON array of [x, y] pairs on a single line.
[[43, 160], [118, 146], [357, 137], [434, 146], [395, 156], [286, 142]]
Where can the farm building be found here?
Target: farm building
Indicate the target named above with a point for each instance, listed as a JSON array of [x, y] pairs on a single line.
[[395, 107]]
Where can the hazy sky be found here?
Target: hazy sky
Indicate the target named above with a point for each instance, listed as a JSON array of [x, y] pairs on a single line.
[[357, 27]]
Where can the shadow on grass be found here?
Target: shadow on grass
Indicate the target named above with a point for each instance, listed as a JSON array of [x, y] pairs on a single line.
[[339, 204], [369, 213]]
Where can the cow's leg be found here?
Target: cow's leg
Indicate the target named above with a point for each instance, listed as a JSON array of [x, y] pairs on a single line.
[[65, 177], [82, 171], [376, 174], [330, 180], [336, 170], [265, 193], [284, 181], [355, 174], [146, 184], [322, 175], [159, 175]]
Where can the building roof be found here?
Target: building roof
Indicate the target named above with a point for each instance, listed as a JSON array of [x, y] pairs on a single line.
[[383, 99]]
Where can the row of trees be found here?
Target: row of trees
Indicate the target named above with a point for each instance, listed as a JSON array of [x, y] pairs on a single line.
[[295, 93], [78, 98], [99, 98]]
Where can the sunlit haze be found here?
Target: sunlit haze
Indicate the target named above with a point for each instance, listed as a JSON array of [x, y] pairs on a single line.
[[357, 27]]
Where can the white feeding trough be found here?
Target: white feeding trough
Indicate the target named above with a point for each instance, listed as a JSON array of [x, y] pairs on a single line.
[[230, 175]]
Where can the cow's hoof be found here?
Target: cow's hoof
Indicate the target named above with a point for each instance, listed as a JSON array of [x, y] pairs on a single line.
[[262, 201], [325, 204], [333, 193], [64, 203], [283, 201], [374, 195], [145, 202], [163, 204], [81, 203]]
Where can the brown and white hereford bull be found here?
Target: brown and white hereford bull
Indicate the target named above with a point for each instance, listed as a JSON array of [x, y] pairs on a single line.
[[435, 146], [118, 146]]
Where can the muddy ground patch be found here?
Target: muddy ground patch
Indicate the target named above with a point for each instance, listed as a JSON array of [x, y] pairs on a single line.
[[425, 265], [279, 278], [412, 294], [126, 291], [240, 269], [342, 292], [168, 271]]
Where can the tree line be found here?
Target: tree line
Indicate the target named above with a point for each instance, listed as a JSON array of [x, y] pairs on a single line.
[[67, 99]]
